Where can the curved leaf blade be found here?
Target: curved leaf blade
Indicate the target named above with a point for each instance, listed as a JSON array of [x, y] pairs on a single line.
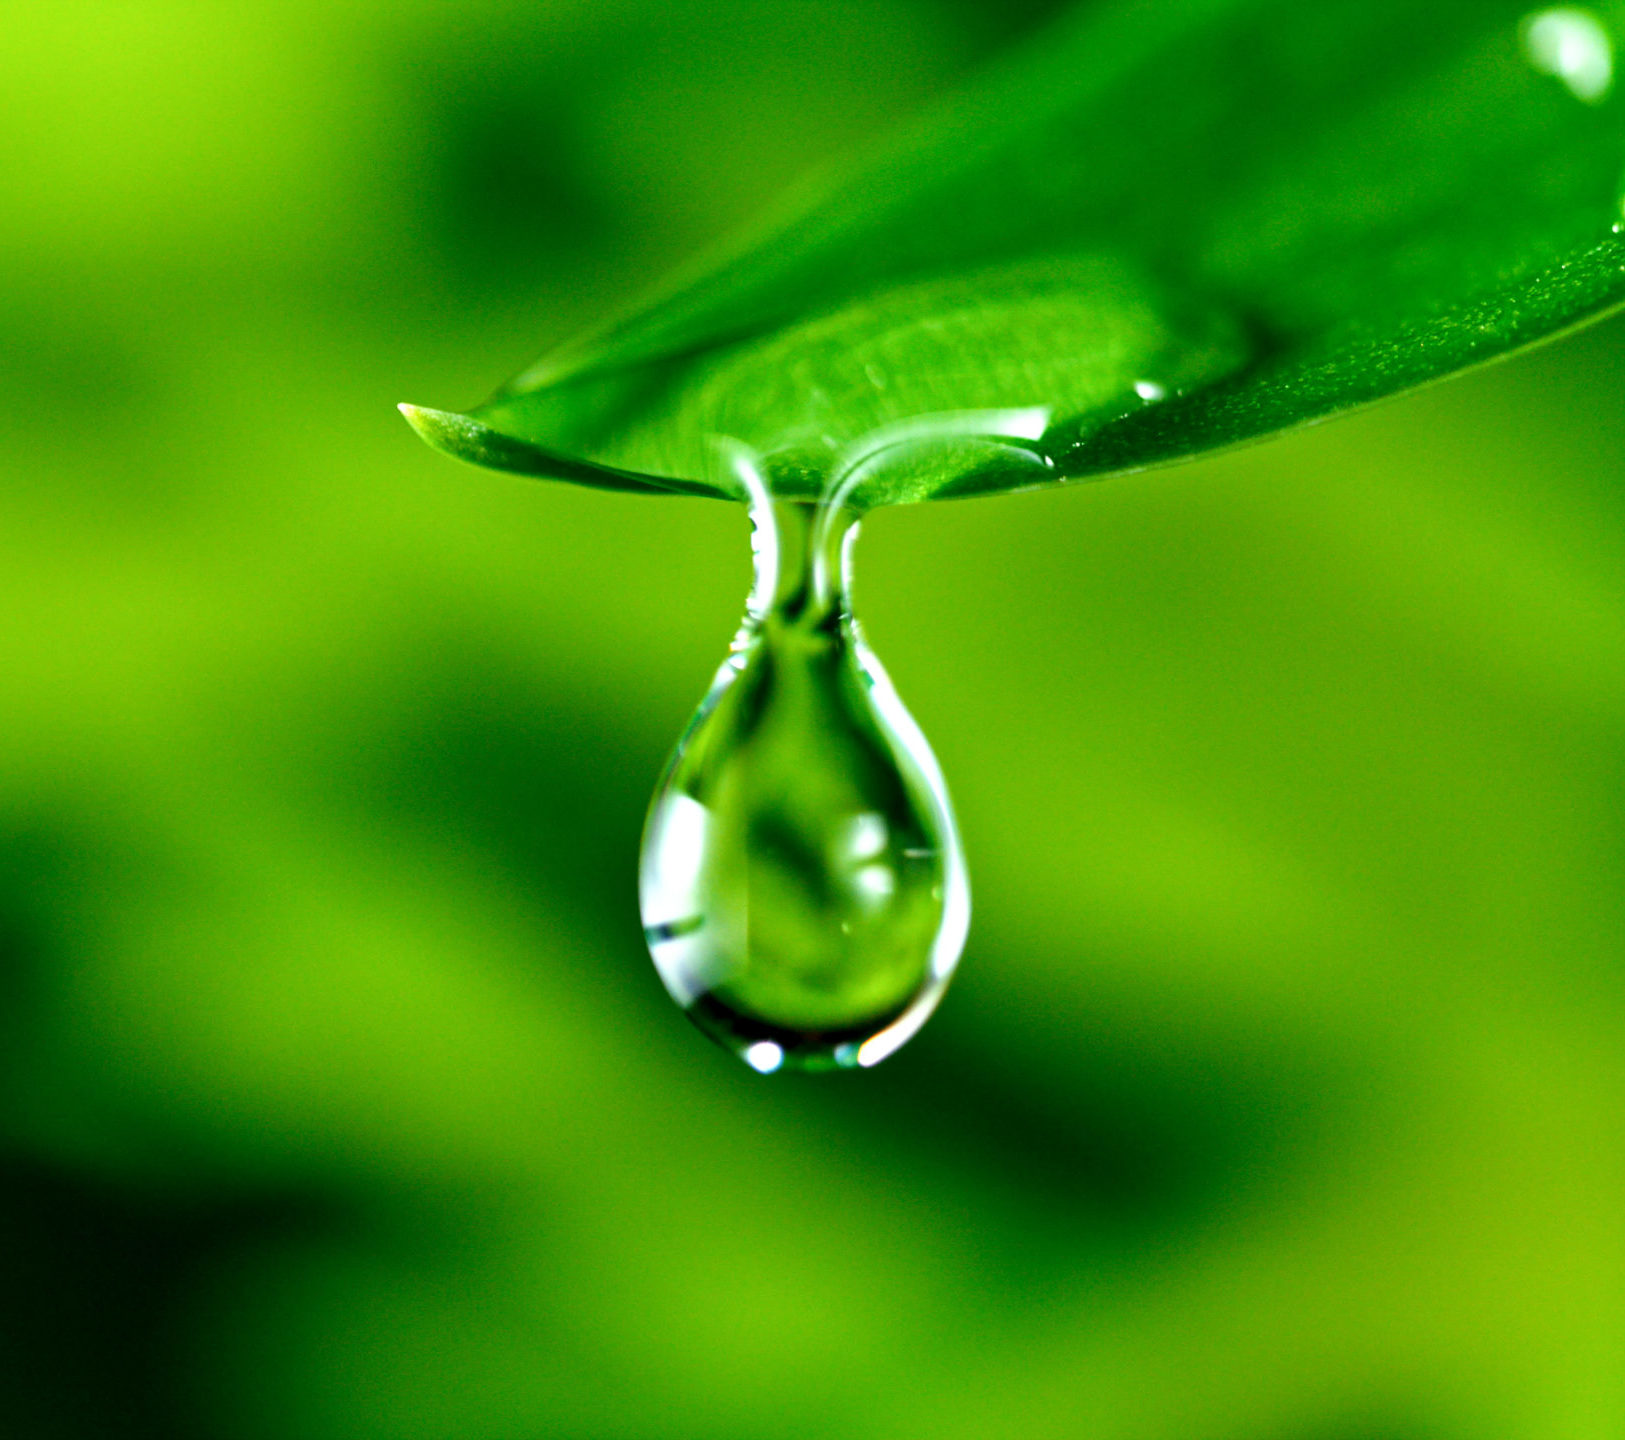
[[1166, 228]]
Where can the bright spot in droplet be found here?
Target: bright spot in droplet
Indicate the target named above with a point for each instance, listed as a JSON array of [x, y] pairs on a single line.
[[678, 826], [892, 1039], [1574, 46], [865, 835], [672, 897], [1149, 391], [764, 1057], [875, 882]]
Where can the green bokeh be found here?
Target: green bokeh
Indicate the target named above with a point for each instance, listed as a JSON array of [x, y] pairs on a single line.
[[1279, 1095]]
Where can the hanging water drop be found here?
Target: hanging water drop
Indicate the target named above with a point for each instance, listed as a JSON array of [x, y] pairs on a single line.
[[802, 886]]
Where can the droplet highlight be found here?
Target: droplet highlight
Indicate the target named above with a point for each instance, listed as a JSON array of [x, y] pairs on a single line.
[[802, 885]]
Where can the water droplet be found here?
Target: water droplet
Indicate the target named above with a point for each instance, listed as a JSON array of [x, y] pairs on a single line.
[[1150, 391], [1575, 46], [802, 886]]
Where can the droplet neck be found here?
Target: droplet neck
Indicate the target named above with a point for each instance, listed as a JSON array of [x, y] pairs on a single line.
[[803, 554]]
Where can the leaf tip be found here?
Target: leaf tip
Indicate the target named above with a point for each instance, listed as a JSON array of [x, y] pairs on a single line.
[[431, 425], [465, 438]]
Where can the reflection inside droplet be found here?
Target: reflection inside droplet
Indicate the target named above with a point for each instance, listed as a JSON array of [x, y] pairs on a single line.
[[1575, 46]]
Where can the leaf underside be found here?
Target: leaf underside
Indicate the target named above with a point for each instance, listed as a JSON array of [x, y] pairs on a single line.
[[1162, 229]]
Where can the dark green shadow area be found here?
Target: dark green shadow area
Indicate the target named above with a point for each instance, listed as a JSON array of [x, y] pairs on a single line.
[[101, 1257], [95, 1284]]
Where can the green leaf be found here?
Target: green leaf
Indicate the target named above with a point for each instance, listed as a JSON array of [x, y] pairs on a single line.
[[1161, 229]]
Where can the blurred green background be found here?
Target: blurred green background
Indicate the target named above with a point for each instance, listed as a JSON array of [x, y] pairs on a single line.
[[1279, 1097]]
